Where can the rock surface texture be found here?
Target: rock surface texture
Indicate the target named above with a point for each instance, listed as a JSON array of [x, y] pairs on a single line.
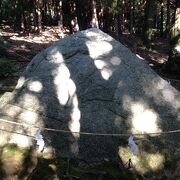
[[89, 82]]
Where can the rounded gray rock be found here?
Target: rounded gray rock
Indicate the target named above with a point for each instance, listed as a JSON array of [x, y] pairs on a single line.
[[89, 82]]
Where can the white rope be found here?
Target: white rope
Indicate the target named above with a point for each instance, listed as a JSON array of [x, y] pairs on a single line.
[[89, 133]]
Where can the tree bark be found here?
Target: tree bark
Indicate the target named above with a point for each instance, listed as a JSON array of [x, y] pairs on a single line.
[[81, 11], [168, 25], [94, 20], [39, 15], [100, 10], [173, 63], [131, 16], [60, 15], [18, 15], [73, 16], [122, 23], [0, 11], [149, 16], [162, 19]]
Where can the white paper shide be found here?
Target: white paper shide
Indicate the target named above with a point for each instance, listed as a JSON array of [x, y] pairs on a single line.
[[39, 140], [133, 145]]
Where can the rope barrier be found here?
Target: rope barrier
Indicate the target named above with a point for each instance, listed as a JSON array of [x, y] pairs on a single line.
[[16, 133], [89, 133]]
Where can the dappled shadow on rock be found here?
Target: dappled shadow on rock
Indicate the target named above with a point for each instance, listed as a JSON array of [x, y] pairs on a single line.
[[89, 82]]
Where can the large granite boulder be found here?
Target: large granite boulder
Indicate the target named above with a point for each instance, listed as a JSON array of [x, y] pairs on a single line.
[[89, 82]]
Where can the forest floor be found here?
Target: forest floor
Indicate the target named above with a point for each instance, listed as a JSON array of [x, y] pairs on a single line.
[[19, 50]]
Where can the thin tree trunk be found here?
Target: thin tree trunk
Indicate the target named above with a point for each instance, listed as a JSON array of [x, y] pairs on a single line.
[[39, 15], [168, 25], [123, 17], [18, 15], [119, 20], [100, 15], [73, 16], [60, 15], [116, 18], [44, 11], [173, 63], [162, 19], [23, 21], [0, 11], [131, 16], [148, 26], [94, 20], [81, 12]]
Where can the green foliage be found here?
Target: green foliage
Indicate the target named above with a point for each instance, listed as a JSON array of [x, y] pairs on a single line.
[[115, 7], [8, 9], [7, 67]]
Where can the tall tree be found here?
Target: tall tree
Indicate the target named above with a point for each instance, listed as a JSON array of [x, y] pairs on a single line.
[[148, 25], [0, 11], [100, 9], [168, 25], [81, 11], [94, 20], [122, 16], [173, 63], [131, 16], [162, 19], [73, 16], [18, 14], [60, 15], [38, 9]]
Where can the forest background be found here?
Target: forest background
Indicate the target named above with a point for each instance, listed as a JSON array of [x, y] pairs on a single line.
[[145, 26]]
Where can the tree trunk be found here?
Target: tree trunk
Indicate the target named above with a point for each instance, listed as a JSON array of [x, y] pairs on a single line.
[[18, 15], [108, 18], [117, 19], [173, 63], [94, 20], [39, 16], [73, 16], [38, 9], [122, 23], [100, 10], [81, 12], [168, 25], [131, 17], [23, 21], [44, 12], [60, 15], [149, 16], [0, 11], [162, 19]]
